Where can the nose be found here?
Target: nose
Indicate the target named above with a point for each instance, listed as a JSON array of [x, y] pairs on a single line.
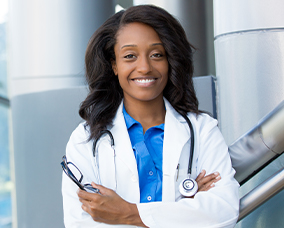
[[144, 65]]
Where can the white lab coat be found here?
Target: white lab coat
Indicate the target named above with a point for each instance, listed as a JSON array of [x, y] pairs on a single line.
[[217, 207]]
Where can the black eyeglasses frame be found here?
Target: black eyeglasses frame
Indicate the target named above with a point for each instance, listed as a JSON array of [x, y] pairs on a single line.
[[86, 187]]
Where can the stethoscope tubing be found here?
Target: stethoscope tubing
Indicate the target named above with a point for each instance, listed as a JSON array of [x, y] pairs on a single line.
[[188, 187], [191, 143], [103, 132]]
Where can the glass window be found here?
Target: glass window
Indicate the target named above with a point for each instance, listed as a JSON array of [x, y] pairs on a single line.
[[5, 177], [3, 53]]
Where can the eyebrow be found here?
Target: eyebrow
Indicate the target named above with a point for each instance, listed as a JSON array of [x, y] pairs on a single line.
[[129, 45], [155, 44], [134, 45]]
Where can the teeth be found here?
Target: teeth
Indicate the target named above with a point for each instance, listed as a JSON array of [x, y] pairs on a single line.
[[145, 80]]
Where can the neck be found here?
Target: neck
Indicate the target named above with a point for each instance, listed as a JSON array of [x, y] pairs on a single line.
[[147, 113]]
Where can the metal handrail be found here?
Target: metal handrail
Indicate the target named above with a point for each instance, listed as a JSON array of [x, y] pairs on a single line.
[[259, 146], [261, 194], [255, 150]]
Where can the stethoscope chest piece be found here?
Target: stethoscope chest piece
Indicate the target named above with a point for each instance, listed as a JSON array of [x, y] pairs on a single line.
[[188, 187]]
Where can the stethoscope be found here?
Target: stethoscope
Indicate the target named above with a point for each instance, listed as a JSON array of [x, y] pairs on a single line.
[[188, 187]]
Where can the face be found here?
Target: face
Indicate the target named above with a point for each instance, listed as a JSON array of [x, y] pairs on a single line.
[[141, 63]]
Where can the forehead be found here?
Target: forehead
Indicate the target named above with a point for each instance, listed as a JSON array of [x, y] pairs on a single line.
[[135, 32]]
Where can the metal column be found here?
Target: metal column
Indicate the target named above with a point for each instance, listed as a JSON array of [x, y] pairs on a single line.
[[47, 41], [249, 55]]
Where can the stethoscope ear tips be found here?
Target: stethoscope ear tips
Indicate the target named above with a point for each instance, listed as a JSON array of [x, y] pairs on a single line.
[[188, 187]]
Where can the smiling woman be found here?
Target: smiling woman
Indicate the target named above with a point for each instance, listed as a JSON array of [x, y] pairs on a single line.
[[144, 144], [141, 66]]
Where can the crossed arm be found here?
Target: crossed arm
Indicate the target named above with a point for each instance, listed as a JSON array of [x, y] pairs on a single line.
[[108, 207]]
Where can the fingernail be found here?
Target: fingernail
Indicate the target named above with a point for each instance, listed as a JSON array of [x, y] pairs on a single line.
[[218, 177], [212, 185], [216, 173]]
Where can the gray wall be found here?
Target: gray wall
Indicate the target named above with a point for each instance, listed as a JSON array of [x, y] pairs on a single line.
[[42, 125]]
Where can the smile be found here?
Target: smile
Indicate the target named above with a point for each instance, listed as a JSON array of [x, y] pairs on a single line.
[[145, 80]]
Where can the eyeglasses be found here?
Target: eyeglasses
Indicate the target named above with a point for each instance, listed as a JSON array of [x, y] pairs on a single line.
[[76, 176]]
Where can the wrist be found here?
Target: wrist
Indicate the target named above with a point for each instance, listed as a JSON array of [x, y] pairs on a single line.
[[133, 216]]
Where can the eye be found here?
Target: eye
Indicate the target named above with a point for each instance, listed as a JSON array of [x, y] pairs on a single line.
[[157, 55], [130, 56]]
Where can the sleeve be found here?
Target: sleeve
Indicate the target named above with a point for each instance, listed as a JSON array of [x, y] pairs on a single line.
[[78, 152], [218, 207]]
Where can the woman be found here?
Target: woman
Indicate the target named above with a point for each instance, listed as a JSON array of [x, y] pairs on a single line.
[[139, 71]]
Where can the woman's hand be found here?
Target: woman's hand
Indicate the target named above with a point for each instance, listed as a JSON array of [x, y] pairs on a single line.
[[207, 182], [108, 207]]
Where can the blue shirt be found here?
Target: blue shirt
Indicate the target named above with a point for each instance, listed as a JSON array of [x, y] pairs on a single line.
[[148, 151]]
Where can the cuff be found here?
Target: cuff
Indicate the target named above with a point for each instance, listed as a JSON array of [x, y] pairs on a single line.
[[145, 213]]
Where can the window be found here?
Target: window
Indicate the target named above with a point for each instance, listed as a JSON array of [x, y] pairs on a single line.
[[5, 177]]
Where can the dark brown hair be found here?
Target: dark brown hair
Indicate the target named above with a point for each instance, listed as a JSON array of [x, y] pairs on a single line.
[[105, 93]]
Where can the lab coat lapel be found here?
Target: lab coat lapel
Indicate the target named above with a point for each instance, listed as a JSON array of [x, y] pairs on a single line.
[[176, 134], [122, 142], [121, 173]]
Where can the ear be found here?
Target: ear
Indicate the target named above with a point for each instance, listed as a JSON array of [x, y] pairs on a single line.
[[114, 67]]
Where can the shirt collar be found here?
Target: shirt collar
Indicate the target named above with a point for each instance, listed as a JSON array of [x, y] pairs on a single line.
[[128, 119]]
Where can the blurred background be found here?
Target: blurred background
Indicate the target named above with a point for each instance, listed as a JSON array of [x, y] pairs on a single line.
[[239, 78]]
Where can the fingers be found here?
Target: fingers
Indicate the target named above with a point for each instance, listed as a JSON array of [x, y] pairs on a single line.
[[201, 175], [103, 190], [208, 178], [207, 182], [107, 207], [85, 196], [210, 184], [89, 200]]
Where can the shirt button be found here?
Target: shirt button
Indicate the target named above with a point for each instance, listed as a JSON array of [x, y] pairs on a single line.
[[149, 198], [151, 173], [134, 179]]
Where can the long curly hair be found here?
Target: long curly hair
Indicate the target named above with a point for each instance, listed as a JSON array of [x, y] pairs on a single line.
[[105, 93]]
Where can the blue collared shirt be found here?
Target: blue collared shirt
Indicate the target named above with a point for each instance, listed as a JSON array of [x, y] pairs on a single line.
[[148, 151]]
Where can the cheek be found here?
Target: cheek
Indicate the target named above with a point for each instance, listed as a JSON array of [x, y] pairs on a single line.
[[165, 70], [122, 78], [123, 69]]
